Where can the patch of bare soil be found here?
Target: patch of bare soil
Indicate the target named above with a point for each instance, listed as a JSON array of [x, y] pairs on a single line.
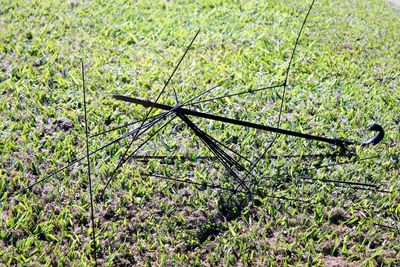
[[331, 261], [395, 2]]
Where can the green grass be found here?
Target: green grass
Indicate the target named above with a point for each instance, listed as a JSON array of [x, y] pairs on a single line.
[[345, 75]]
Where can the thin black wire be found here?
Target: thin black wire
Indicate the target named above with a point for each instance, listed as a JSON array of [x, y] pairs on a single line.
[[284, 90], [373, 187], [291, 177], [214, 142], [137, 149], [350, 184], [312, 179], [161, 115], [80, 159], [88, 169], [235, 94], [176, 96], [364, 189], [138, 121], [230, 149], [188, 158], [387, 226], [122, 126], [285, 84], [147, 115], [348, 162], [123, 160], [224, 159], [215, 146], [204, 184], [156, 119], [222, 156], [164, 115], [257, 194]]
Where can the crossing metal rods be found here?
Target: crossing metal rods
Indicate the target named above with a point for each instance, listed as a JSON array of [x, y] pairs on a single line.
[[225, 156]]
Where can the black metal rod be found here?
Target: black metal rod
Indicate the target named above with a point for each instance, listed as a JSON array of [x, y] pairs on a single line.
[[145, 103], [88, 168]]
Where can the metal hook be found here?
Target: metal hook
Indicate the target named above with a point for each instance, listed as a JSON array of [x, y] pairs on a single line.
[[377, 138], [337, 142]]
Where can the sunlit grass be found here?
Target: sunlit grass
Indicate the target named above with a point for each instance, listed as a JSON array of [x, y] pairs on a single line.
[[344, 77]]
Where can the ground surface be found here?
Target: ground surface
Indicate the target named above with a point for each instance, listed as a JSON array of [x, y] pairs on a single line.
[[345, 76], [396, 2]]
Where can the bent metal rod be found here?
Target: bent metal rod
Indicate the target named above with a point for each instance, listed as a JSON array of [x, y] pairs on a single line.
[[332, 141]]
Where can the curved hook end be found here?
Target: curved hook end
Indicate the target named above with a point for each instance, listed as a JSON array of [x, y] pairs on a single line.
[[377, 138]]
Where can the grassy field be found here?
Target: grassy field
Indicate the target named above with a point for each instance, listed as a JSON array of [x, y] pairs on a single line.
[[344, 77]]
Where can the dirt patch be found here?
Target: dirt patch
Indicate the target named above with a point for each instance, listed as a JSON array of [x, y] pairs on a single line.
[[331, 261], [395, 2], [61, 124]]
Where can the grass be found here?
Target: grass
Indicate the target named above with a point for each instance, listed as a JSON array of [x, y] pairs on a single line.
[[345, 76]]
